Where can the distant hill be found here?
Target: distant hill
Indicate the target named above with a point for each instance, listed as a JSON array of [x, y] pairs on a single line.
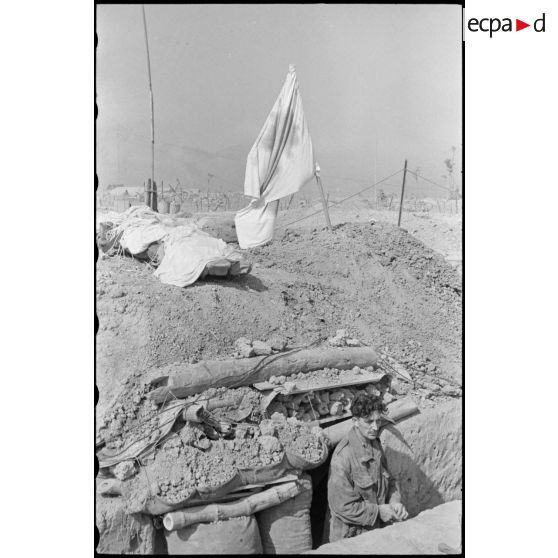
[[343, 174], [192, 166]]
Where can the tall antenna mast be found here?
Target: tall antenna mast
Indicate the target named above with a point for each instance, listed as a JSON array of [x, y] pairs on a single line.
[[151, 99]]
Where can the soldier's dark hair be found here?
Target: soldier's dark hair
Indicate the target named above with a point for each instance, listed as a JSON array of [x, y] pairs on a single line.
[[364, 404]]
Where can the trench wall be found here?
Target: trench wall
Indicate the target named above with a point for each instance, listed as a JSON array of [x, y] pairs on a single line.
[[427, 460], [121, 533], [421, 535]]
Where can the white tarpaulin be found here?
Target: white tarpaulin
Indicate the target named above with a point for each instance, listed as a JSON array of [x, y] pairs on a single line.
[[188, 250], [280, 162], [140, 226]]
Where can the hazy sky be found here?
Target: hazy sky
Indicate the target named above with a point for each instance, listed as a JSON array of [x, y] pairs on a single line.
[[369, 75]]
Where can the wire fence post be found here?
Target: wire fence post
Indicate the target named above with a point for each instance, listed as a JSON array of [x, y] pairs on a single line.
[[148, 193], [322, 196], [402, 194], [154, 206]]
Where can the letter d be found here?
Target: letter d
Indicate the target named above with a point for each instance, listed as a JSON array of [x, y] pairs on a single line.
[[541, 30]]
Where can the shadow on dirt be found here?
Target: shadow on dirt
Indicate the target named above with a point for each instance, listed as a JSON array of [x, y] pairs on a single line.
[[418, 492], [241, 283]]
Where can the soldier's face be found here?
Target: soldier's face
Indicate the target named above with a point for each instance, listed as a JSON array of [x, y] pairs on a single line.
[[369, 426]]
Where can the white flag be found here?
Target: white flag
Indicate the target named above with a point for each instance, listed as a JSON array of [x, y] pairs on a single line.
[[280, 162]]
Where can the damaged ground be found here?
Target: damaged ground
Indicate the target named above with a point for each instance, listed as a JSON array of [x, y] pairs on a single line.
[[380, 283]]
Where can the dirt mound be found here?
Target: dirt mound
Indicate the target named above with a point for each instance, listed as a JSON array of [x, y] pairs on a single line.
[[376, 281]]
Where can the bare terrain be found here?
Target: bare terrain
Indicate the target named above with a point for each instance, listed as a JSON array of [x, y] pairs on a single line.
[[391, 288]]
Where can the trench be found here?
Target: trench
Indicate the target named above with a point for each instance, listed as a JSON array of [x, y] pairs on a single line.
[[318, 509], [425, 458]]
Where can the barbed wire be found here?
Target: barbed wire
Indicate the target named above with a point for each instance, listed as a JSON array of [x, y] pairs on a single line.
[[331, 204], [416, 174], [176, 157]]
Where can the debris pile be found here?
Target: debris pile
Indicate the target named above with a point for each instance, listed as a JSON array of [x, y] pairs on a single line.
[[428, 385], [130, 419], [313, 396], [246, 348], [180, 466], [320, 404], [296, 437], [343, 339]]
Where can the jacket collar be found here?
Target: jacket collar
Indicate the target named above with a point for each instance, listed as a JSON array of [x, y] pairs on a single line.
[[364, 450]]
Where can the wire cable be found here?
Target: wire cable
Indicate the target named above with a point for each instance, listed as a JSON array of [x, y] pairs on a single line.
[[416, 174], [331, 204]]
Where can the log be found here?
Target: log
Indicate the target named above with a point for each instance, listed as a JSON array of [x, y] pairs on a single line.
[[367, 378], [397, 412], [183, 380], [193, 413], [245, 506]]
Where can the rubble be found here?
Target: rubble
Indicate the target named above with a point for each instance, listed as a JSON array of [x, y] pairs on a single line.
[[130, 418], [244, 348], [261, 348], [342, 339], [188, 460], [124, 470]]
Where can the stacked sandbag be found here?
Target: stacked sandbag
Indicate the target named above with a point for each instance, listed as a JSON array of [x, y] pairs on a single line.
[[239, 535], [121, 532], [189, 468], [286, 528]]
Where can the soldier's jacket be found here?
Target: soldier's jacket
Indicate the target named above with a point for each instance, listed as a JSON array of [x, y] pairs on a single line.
[[359, 481]]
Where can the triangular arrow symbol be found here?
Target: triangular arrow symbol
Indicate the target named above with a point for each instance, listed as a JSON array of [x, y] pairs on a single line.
[[519, 25]]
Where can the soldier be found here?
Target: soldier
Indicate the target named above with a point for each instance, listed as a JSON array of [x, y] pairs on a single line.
[[362, 494]]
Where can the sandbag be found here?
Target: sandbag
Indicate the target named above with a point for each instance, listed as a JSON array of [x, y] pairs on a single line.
[[121, 532], [235, 536], [156, 505], [286, 528], [297, 461]]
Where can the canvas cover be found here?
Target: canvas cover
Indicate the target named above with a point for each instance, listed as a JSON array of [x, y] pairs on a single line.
[[280, 162], [188, 250]]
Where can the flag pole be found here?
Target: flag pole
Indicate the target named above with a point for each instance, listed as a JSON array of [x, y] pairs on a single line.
[[322, 196]]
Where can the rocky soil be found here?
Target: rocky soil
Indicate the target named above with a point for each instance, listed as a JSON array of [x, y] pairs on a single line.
[[380, 283]]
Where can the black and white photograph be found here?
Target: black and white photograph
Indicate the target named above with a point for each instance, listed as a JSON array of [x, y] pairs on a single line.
[[279, 279]]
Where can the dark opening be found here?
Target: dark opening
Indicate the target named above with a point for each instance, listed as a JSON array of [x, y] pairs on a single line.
[[160, 542], [318, 509]]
